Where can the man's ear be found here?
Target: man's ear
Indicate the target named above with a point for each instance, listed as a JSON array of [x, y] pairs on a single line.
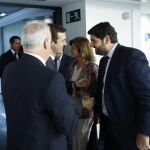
[[107, 39], [46, 44]]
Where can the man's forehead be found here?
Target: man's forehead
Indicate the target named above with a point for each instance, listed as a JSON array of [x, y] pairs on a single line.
[[61, 35], [17, 41], [93, 37]]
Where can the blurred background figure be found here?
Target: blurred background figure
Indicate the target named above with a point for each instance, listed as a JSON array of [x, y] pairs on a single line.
[[81, 74], [12, 54]]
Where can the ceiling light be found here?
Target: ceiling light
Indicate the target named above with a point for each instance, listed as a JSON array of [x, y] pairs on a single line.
[[3, 14], [48, 20]]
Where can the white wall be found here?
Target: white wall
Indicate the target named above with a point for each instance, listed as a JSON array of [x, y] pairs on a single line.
[[145, 8], [95, 11], [76, 28], [136, 27], [145, 28], [128, 29]]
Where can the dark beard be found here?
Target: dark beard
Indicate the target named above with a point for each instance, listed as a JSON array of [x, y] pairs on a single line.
[[98, 52]]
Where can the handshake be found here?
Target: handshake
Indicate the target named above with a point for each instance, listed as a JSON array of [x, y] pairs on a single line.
[[88, 102]]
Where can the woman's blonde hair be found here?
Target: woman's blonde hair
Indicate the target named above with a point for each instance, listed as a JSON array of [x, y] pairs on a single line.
[[83, 47]]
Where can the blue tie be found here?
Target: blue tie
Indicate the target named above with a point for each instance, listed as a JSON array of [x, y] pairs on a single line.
[[55, 62]]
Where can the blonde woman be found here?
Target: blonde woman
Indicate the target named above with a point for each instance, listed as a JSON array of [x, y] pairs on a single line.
[[81, 74]]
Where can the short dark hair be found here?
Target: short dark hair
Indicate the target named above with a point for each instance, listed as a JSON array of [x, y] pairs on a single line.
[[54, 30], [103, 29], [12, 39]]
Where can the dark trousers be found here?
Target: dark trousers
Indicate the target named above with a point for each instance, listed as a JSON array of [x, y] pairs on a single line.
[[110, 141]]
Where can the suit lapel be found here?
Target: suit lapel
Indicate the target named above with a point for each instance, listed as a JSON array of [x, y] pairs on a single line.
[[11, 55], [113, 66], [50, 64], [20, 55]]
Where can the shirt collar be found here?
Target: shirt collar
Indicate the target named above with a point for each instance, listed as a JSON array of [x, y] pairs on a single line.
[[112, 50], [38, 57], [60, 57], [13, 51], [53, 57]]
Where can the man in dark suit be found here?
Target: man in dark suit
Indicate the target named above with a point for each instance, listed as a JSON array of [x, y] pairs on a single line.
[[62, 61], [12, 54], [123, 91], [38, 111]]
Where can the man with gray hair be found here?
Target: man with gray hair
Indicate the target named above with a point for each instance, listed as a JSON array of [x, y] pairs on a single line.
[[39, 113]]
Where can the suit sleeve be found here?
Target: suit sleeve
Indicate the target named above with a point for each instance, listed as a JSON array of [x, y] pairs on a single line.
[[60, 107], [139, 80], [77, 105]]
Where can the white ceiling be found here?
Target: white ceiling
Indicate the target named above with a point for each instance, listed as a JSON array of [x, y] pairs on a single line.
[[40, 2], [64, 2]]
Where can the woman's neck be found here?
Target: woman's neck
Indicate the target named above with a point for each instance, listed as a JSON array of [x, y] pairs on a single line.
[[80, 62]]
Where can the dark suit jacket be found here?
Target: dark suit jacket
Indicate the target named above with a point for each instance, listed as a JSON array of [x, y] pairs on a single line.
[[39, 114], [127, 95], [5, 59], [64, 65], [66, 60], [50, 64]]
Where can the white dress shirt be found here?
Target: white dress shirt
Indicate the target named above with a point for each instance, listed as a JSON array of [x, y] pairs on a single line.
[[58, 60], [17, 56]]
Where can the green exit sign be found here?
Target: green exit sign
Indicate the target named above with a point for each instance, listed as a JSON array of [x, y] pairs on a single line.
[[73, 16]]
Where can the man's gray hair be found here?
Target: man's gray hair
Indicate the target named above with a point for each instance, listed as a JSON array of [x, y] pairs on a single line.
[[34, 34]]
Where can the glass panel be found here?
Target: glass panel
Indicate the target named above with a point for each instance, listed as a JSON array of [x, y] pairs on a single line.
[[2, 125]]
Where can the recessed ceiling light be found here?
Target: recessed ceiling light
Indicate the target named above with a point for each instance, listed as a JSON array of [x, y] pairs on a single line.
[[3, 14], [48, 20]]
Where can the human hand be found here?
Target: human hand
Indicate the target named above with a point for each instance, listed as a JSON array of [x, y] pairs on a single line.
[[83, 83], [88, 102], [142, 141]]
